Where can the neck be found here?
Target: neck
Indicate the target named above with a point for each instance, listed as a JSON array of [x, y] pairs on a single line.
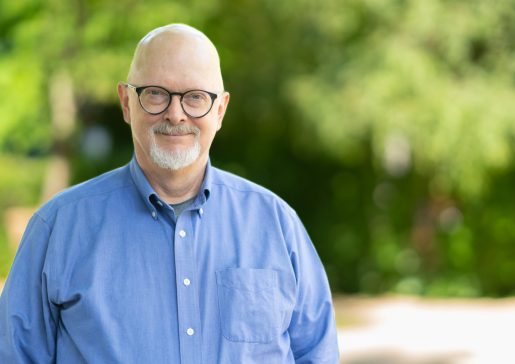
[[173, 186]]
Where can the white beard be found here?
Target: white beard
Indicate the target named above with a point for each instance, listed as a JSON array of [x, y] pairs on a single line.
[[173, 159]]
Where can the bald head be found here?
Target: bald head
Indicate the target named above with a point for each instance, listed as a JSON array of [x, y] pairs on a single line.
[[177, 52]]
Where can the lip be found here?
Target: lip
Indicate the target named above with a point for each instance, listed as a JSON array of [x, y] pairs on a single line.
[[176, 135]]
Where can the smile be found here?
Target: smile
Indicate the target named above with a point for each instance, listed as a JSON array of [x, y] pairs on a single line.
[[176, 134]]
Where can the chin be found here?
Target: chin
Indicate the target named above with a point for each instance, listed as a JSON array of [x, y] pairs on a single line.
[[174, 158]]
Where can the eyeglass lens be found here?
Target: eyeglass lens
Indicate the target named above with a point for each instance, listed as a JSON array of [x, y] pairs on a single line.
[[194, 103]]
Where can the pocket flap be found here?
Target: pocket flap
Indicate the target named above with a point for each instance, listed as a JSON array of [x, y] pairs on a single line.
[[246, 279]]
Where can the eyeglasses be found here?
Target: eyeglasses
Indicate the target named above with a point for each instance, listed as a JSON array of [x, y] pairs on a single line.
[[155, 100]]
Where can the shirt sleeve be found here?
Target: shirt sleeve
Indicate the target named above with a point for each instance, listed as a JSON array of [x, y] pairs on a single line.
[[28, 320], [312, 329]]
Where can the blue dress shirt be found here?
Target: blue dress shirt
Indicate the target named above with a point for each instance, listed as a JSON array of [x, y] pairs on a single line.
[[106, 274]]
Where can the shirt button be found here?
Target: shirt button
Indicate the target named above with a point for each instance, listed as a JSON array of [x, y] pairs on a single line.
[[153, 214], [190, 332], [201, 212], [160, 203], [186, 282], [182, 233]]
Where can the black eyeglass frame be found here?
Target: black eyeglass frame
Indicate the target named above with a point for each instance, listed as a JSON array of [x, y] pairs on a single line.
[[140, 89]]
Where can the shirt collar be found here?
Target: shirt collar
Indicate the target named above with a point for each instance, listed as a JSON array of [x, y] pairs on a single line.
[[149, 195]]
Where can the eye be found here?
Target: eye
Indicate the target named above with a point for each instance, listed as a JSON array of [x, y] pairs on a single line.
[[154, 92], [195, 96], [154, 96]]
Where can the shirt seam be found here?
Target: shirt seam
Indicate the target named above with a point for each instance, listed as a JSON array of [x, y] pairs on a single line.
[[52, 281], [80, 198], [42, 219], [291, 212], [290, 229], [237, 189]]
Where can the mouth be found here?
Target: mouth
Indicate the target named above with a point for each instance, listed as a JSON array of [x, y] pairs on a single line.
[[176, 134]]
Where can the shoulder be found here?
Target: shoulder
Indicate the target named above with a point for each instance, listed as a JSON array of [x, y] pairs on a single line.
[[101, 185], [242, 187]]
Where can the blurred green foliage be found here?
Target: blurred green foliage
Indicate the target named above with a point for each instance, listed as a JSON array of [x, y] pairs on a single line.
[[20, 185], [387, 124], [20, 180], [6, 254]]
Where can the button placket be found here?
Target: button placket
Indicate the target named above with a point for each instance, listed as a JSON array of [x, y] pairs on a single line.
[[187, 295]]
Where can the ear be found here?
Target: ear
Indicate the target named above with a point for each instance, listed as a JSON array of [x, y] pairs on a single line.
[[124, 100], [222, 107]]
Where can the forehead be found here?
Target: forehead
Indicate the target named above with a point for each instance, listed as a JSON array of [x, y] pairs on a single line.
[[177, 62]]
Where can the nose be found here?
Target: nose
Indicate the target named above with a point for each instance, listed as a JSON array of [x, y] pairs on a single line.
[[175, 114]]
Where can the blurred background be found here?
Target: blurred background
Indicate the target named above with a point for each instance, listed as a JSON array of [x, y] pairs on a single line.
[[388, 125]]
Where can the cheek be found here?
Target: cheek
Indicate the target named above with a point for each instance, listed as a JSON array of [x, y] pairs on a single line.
[[140, 128], [209, 128], [134, 105], [206, 134]]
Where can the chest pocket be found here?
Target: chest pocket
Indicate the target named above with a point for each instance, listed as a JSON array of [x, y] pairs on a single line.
[[247, 300]]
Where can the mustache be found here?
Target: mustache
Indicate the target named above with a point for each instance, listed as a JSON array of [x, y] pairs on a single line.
[[167, 128]]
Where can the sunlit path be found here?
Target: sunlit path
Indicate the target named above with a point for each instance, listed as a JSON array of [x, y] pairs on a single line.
[[417, 331]]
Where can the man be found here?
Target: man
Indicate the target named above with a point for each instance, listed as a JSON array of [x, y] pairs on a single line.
[[168, 260]]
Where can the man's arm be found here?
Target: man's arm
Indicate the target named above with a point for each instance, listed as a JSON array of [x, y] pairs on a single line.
[[312, 328], [28, 320]]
